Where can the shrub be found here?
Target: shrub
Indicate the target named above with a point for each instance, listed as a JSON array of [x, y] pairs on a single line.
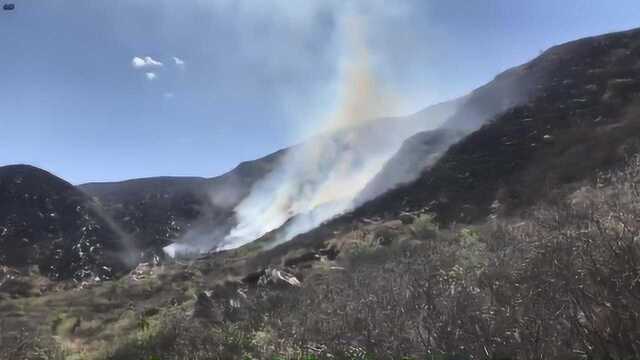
[[25, 344], [425, 227], [562, 283]]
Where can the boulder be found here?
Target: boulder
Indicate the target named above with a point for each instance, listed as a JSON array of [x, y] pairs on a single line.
[[274, 277]]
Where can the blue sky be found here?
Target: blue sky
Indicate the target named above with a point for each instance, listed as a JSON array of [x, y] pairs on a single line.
[[257, 75]]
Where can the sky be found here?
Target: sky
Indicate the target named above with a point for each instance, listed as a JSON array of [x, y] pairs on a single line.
[[113, 90]]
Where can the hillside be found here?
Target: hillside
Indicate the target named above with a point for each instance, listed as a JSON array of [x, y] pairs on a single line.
[[199, 212], [47, 223], [154, 212], [149, 214], [510, 232], [581, 116], [416, 154]]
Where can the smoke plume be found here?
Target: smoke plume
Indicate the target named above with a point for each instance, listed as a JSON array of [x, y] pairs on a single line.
[[320, 178]]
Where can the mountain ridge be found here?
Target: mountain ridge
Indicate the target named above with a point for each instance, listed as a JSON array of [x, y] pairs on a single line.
[[578, 99], [582, 78]]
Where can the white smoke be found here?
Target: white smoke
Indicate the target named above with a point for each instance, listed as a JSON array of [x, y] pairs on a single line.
[[320, 178], [353, 140]]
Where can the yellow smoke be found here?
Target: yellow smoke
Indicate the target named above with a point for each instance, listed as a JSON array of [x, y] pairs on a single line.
[[362, 98], [325, 174]]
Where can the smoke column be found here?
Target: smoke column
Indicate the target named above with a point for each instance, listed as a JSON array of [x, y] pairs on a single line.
[[319, 179]]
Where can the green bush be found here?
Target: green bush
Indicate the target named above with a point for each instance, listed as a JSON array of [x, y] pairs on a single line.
[[425, 227]]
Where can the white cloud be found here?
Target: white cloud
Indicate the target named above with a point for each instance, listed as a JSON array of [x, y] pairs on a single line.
[[168, 95], [139, 63], [151, 75], [178, 61], [152, 62]]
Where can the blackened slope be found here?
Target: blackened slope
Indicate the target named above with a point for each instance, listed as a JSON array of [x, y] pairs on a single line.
[[371, 139], [417, 153], [510, 88], [152, 211], [125, 189], [518, 84], [157, 211], [582, 116], [47, 222], [578, 120]]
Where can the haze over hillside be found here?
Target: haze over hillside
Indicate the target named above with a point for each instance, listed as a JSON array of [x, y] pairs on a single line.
[[500, 223], [294, 190]]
